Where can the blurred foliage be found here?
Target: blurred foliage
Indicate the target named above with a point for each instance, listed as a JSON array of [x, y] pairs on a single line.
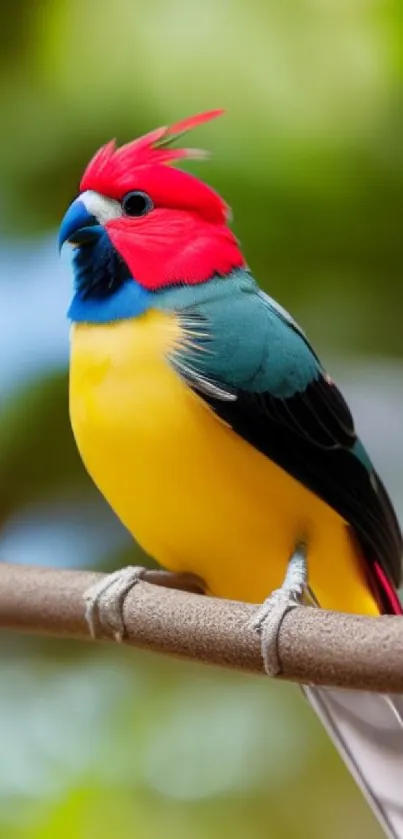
[[34, 415], [99, 743]]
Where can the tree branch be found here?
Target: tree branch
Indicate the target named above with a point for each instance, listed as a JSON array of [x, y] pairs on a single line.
[[315, 646]]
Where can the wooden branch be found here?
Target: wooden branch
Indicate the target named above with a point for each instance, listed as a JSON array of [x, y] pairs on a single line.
[[315, 646]]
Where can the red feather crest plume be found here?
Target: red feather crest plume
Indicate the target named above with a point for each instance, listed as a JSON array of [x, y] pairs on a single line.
[[113, 163]]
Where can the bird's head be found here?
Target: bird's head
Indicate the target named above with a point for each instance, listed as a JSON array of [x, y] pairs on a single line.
[[139, 225]]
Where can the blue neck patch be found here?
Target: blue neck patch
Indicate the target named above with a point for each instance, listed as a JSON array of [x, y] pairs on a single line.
[[129, 301], [104, 289]]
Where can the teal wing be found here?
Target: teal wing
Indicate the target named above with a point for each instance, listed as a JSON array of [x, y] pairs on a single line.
[[254, 366]]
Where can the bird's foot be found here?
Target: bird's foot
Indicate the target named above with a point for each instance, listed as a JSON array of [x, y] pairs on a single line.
[[271, 613], [104, 600]]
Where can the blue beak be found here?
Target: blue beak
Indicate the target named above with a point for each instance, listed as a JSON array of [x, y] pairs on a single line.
[[78, 225]]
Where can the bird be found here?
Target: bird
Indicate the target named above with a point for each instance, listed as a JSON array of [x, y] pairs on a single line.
[[205, 418]]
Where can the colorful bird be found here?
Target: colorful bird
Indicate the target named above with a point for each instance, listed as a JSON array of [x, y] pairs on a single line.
[[207, 421]]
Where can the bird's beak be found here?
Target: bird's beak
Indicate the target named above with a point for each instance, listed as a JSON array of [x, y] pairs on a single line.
[[78, 225]]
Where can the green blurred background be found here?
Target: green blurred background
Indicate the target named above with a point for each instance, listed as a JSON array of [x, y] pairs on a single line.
[[100, 742]]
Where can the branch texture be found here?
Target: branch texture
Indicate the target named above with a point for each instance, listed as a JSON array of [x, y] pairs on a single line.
[[315, 646]]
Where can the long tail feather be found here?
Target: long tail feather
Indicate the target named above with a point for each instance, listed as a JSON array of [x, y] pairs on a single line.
[[367, 729]]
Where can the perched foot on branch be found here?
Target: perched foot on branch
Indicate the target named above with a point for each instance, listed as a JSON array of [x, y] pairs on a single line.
[[104, 600], [271, 613]]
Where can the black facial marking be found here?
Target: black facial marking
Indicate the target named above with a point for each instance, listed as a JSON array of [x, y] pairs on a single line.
[[99, 270]]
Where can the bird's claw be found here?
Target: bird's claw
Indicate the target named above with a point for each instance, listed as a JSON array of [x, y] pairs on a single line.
[[270, 615], [104, 601]]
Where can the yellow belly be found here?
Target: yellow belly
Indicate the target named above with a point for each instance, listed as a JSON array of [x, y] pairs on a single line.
[[193, 493]]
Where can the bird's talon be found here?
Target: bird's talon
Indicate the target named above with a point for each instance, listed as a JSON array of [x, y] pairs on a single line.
[[270, 615], [104, 601]]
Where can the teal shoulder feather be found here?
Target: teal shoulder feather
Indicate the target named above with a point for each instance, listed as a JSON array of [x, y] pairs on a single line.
[[247, 340]]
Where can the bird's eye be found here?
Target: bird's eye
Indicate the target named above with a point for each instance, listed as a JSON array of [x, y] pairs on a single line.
[[137, 203]]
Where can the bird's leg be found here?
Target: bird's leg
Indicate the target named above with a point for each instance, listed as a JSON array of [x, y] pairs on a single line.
[[271, 613], [104, 601]]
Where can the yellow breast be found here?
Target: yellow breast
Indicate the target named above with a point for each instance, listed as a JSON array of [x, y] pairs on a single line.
[[193, 493]]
